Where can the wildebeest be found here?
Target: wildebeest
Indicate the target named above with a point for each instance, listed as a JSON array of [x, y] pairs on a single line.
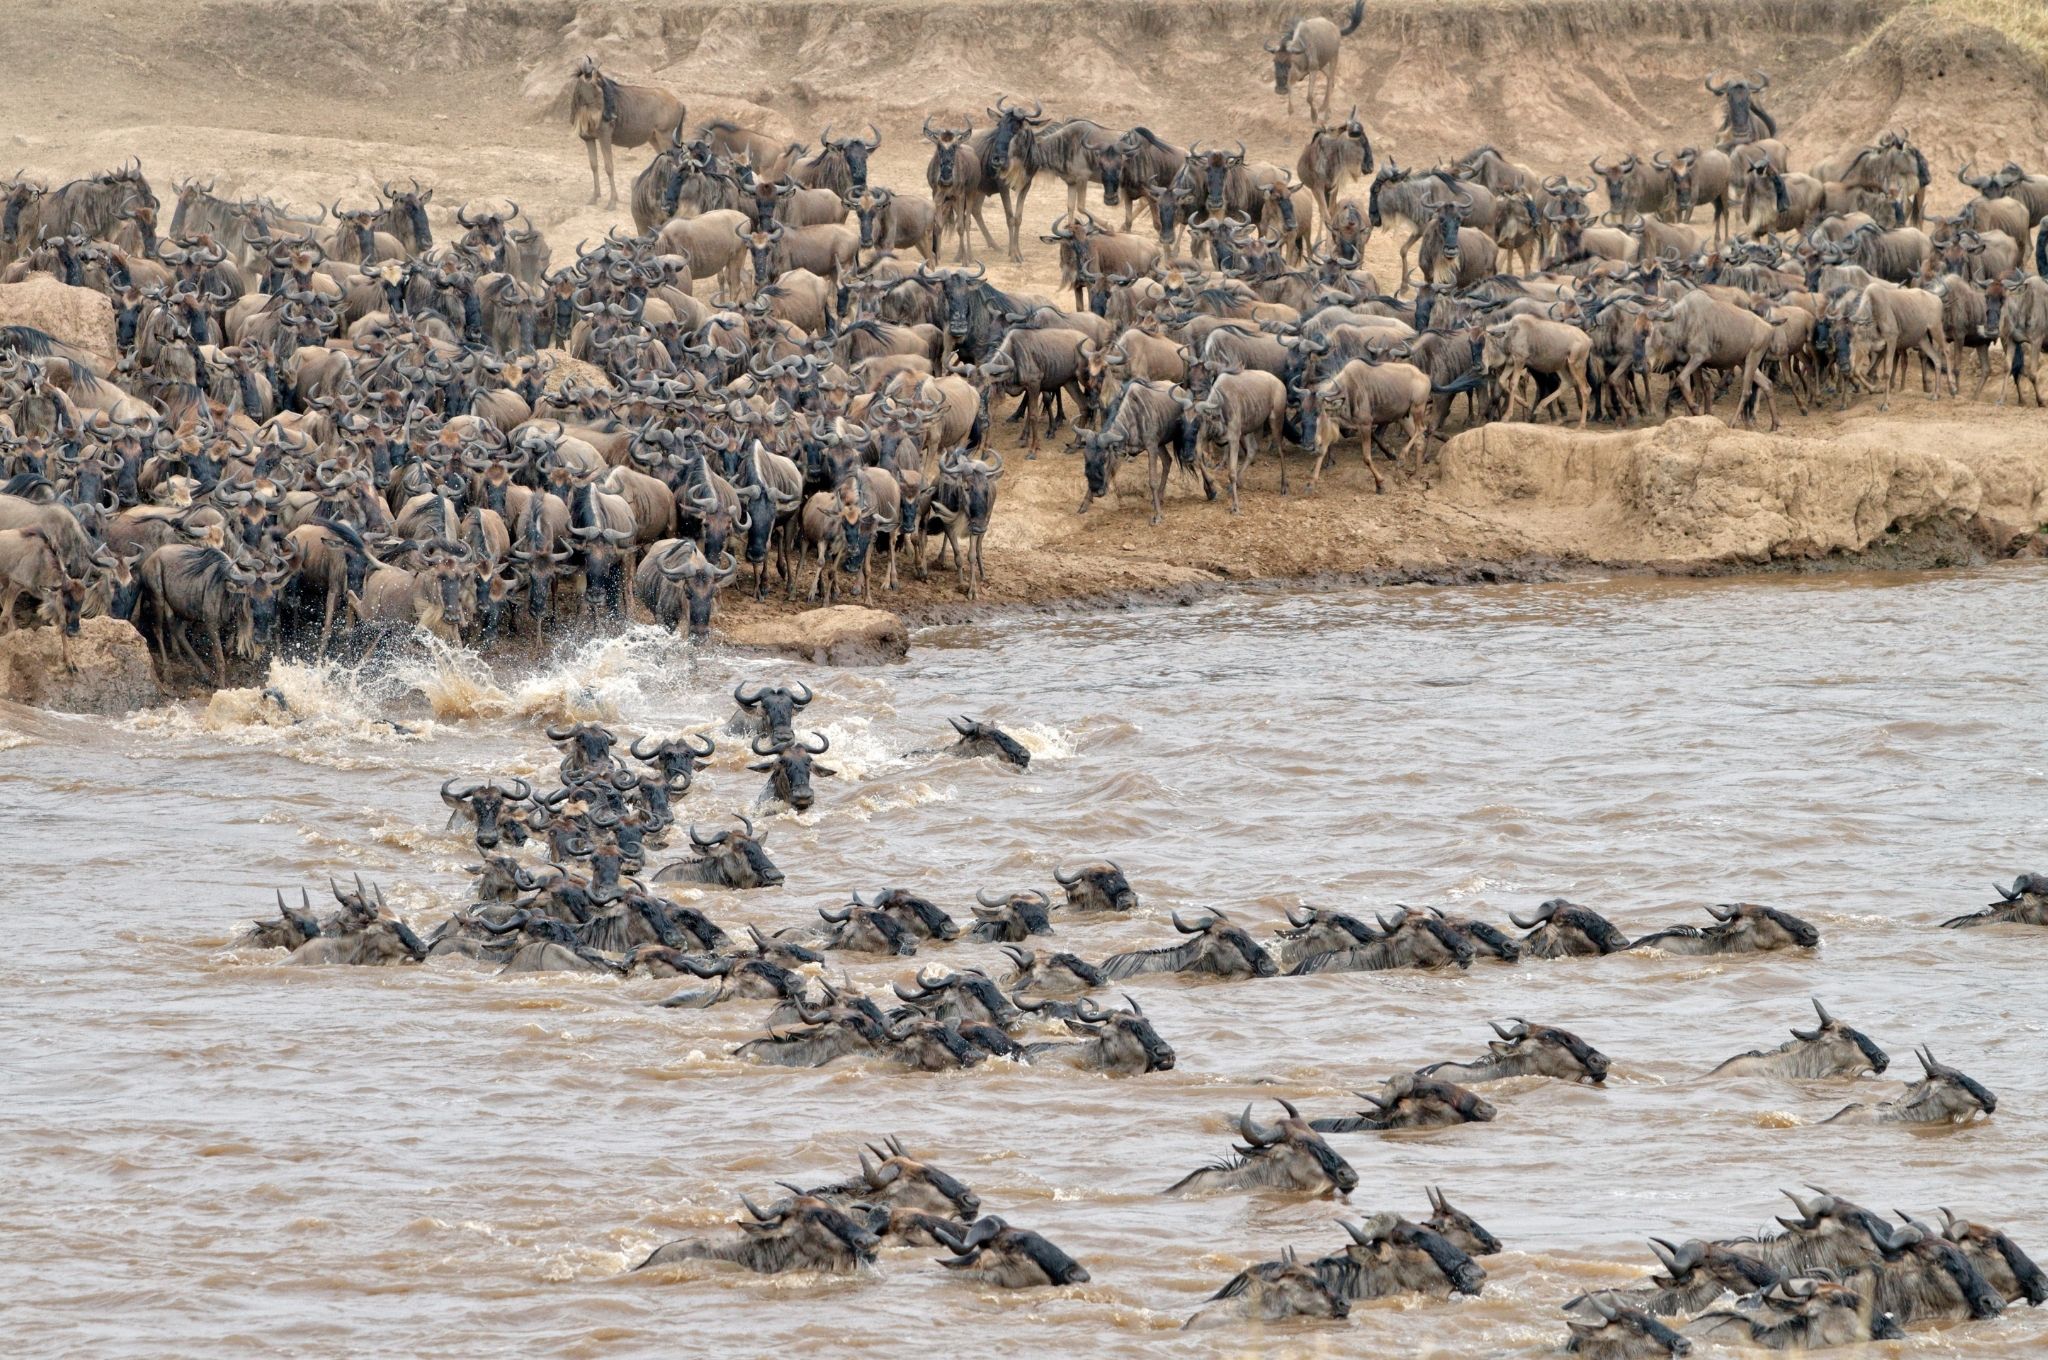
[[1286, 1155], [1096, 887], [1388, 1255], [2009, 1271], [1011, 917], [1802, 1315], [2025, 903], [1560, 929], [1217, 948], [789, 768], [1408, 939], [1308, 49], [730, 859], [1526, 1050], [1740, 928], [769, 710], [1112, 1041], [1271, 1292], [1615, 1332], [980, 739], [1054, 974], [1829, 1049], [800, 1233], [1943, 1095], [1411, 1101], [993, 1252], [899, 1180], [490, 806], [1694, 1274], [608, 113]]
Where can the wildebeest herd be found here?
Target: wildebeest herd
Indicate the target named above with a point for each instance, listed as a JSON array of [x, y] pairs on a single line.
[[324, 427], [588, 898]]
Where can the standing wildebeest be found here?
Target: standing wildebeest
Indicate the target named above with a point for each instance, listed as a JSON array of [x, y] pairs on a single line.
[[1071, 151], [1744, 120], [958, 183], [1008, 156], [2023, 327], [1145, 418], [189, 587], [1334, 156], [1309, 49], [607, 113], [1701, 331]]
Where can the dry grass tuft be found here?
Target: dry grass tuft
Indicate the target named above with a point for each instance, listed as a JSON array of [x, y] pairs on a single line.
[[2025, 22]]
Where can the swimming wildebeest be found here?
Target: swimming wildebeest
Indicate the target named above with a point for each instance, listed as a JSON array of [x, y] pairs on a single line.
[[1829, 1049], [1010, 1258], [1525, 1050], [1287, 1155], [1270, 1292], [800, 1233]]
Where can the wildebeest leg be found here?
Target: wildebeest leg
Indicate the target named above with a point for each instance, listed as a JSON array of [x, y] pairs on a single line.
[[1033, 399], [1578, 375], [1682, 384], [610, 178], [1158, 469], [590, 145]]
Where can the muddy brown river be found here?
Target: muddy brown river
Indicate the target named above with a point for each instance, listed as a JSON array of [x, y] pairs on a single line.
[[209, 1154]]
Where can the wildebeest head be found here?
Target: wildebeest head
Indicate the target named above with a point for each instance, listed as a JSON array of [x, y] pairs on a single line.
[[1389, 1255], [979, 738], [965, 998], [1458, 1228], [1286, 1154], [1559, 927], [675, 759], [868, 210], [486, 804], [1213, 168], [1617, 1330], [1846, 1049], [1942, 1095], [1546, 1051], [855, 151], [737, 858], [411, 205], [1740, 95], [291, 929], [789, 768], [586, 748], [946, 145], [773, 708], [862, 930], [1011, 1257], [1938, 1270], [1760, 928], [1098, 886], [1129, 1042], [1011, 916], [916, 914], [896, 1179], [1010, 122], [800, 1233], [1274, 1290], [1412, 1101], [1286, 52], [2006, 1268]]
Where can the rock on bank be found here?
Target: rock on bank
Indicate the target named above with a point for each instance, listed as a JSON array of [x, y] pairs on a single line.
[[838, 635], [110, 670], [1694, 493]]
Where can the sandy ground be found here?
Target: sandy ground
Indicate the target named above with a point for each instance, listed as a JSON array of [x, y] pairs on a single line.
[[313, 102]]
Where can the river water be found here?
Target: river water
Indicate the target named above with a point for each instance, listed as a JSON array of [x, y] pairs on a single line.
[[208, 1154]]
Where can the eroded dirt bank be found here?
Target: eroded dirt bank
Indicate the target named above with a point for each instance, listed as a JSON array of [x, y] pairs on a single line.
[[1928, 484]]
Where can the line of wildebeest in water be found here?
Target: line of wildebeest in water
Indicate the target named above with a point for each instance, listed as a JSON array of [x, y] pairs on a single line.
[[323, 430], [1838, 1274]]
